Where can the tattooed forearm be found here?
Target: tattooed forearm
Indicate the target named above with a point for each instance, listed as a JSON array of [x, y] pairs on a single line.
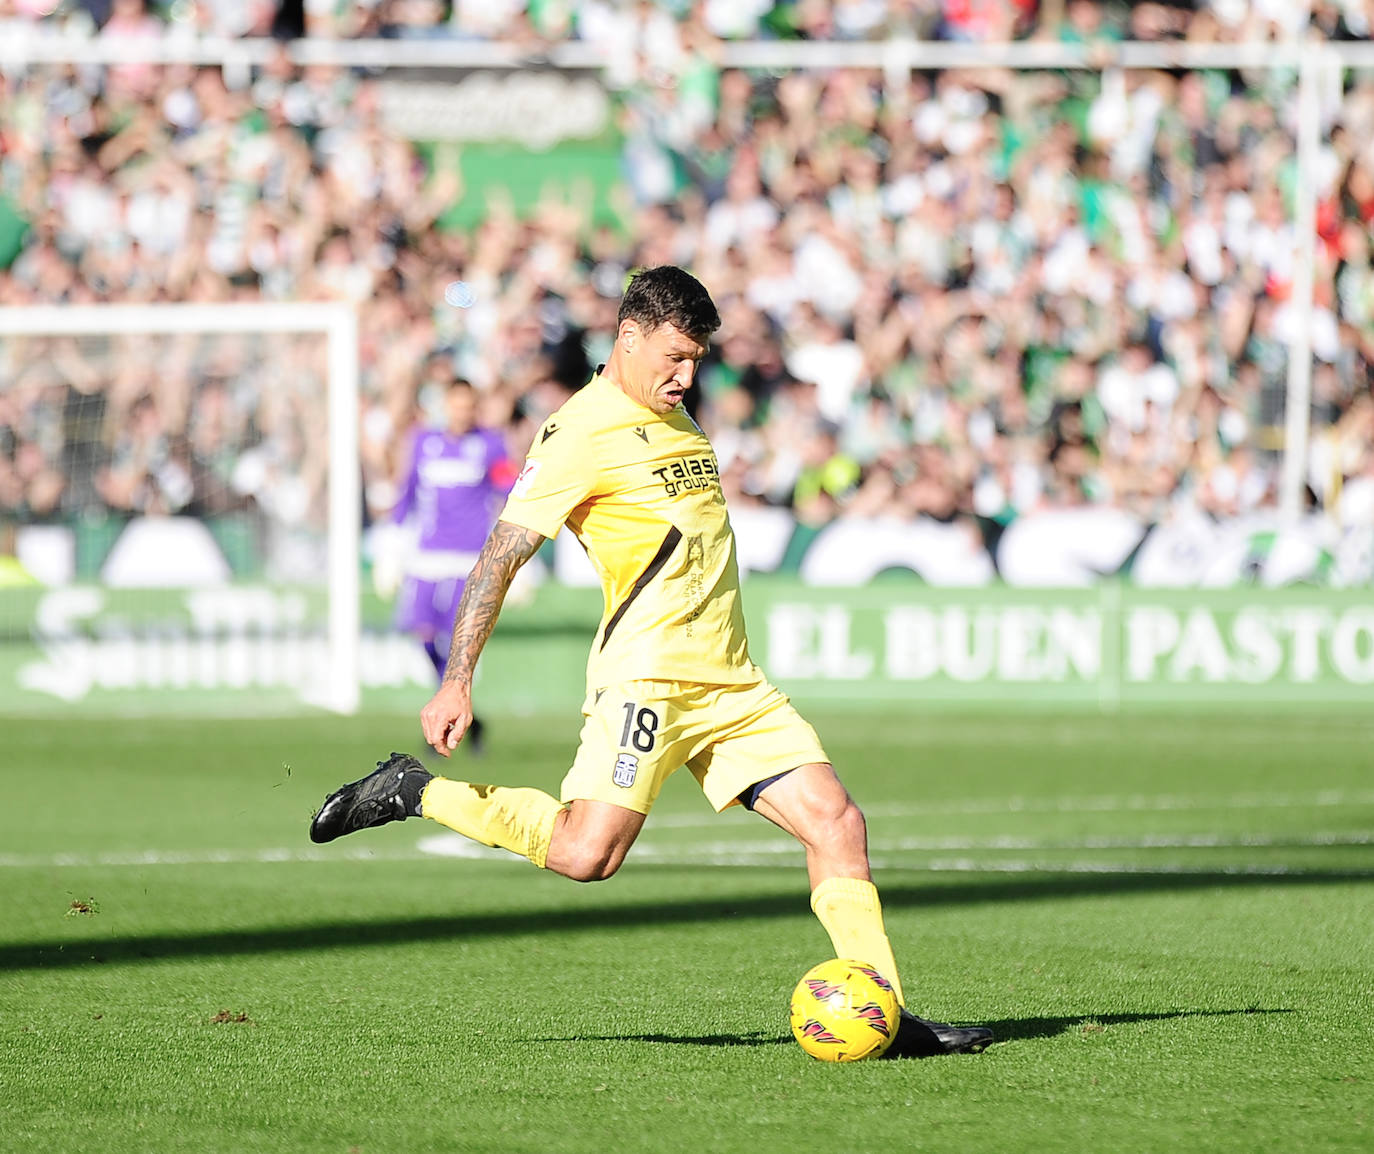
[[507, 548]]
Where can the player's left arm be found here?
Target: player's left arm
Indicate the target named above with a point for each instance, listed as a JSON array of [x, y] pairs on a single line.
[[507, 548], [449, 712]]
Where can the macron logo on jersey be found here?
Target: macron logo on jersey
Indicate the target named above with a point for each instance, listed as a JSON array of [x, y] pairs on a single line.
[[525, 479]]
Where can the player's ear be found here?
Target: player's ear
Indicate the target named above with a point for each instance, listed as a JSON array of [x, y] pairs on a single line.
[[629, 334]]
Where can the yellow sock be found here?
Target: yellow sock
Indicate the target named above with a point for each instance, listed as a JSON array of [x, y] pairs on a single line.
[[520, 820], [849, 910]]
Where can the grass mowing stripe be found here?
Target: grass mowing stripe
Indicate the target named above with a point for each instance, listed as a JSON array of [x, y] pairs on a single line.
[[969, 865], [937, 844], [1106, 803], [1132, 803], [1050, 867], [714, 852], [201, 857]]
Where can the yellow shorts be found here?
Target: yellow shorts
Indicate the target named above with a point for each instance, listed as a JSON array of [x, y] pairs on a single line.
[[636, 733]]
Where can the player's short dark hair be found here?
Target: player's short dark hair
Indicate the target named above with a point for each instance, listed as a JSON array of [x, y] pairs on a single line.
[[461, 383], [668, 295]]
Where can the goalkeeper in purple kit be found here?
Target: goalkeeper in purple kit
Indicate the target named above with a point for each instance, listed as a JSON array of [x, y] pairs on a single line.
[[455, 483]]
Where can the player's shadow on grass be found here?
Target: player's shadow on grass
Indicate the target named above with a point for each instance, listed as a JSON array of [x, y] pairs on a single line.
[[1031, 1029], [754, 1038], [579, 914], [1005, 1029]]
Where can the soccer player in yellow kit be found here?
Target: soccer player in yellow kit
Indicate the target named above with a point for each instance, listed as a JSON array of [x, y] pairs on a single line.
[[669, 679]]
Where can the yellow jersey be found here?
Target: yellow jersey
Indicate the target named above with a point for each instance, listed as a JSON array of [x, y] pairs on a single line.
[[641, 492]]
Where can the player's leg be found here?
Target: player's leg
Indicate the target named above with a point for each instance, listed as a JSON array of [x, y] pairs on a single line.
[[436, 658], [517, 819], [772, 762], [584, 840], [417, 614], [617, 773], [631, 742], [590, 840], [634, 735], [813, 806]]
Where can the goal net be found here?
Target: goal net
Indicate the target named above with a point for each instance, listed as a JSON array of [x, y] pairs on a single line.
[[180, 520]]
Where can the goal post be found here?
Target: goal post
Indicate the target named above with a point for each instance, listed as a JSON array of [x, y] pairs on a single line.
[[337, 687]]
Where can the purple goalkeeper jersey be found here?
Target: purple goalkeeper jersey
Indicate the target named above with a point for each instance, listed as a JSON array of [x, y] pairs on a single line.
[[453, 489]]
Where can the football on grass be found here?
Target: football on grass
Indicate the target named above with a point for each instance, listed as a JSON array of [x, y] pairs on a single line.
[[843, 1011]]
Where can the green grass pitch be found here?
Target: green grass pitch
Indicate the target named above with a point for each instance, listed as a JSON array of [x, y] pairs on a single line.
[[1168, 919]]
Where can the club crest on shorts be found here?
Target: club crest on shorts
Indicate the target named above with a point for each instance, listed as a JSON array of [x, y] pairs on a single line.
[[626, 766]]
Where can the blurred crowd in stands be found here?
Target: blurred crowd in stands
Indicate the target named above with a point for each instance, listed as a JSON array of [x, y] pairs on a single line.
[[978, 293], [618, 24]]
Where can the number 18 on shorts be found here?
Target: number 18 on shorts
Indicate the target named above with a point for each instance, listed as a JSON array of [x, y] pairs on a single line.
[[641, 724], [637, 733]]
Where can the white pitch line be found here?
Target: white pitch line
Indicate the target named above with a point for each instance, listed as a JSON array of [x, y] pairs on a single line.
[[1125, 803], [198, 857], [1104, 803], [941, 844], [718, 852], [758, 851], [1151, 841], [968, 865]]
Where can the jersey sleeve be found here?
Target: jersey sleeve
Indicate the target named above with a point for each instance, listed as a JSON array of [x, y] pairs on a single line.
[[558, 475]]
